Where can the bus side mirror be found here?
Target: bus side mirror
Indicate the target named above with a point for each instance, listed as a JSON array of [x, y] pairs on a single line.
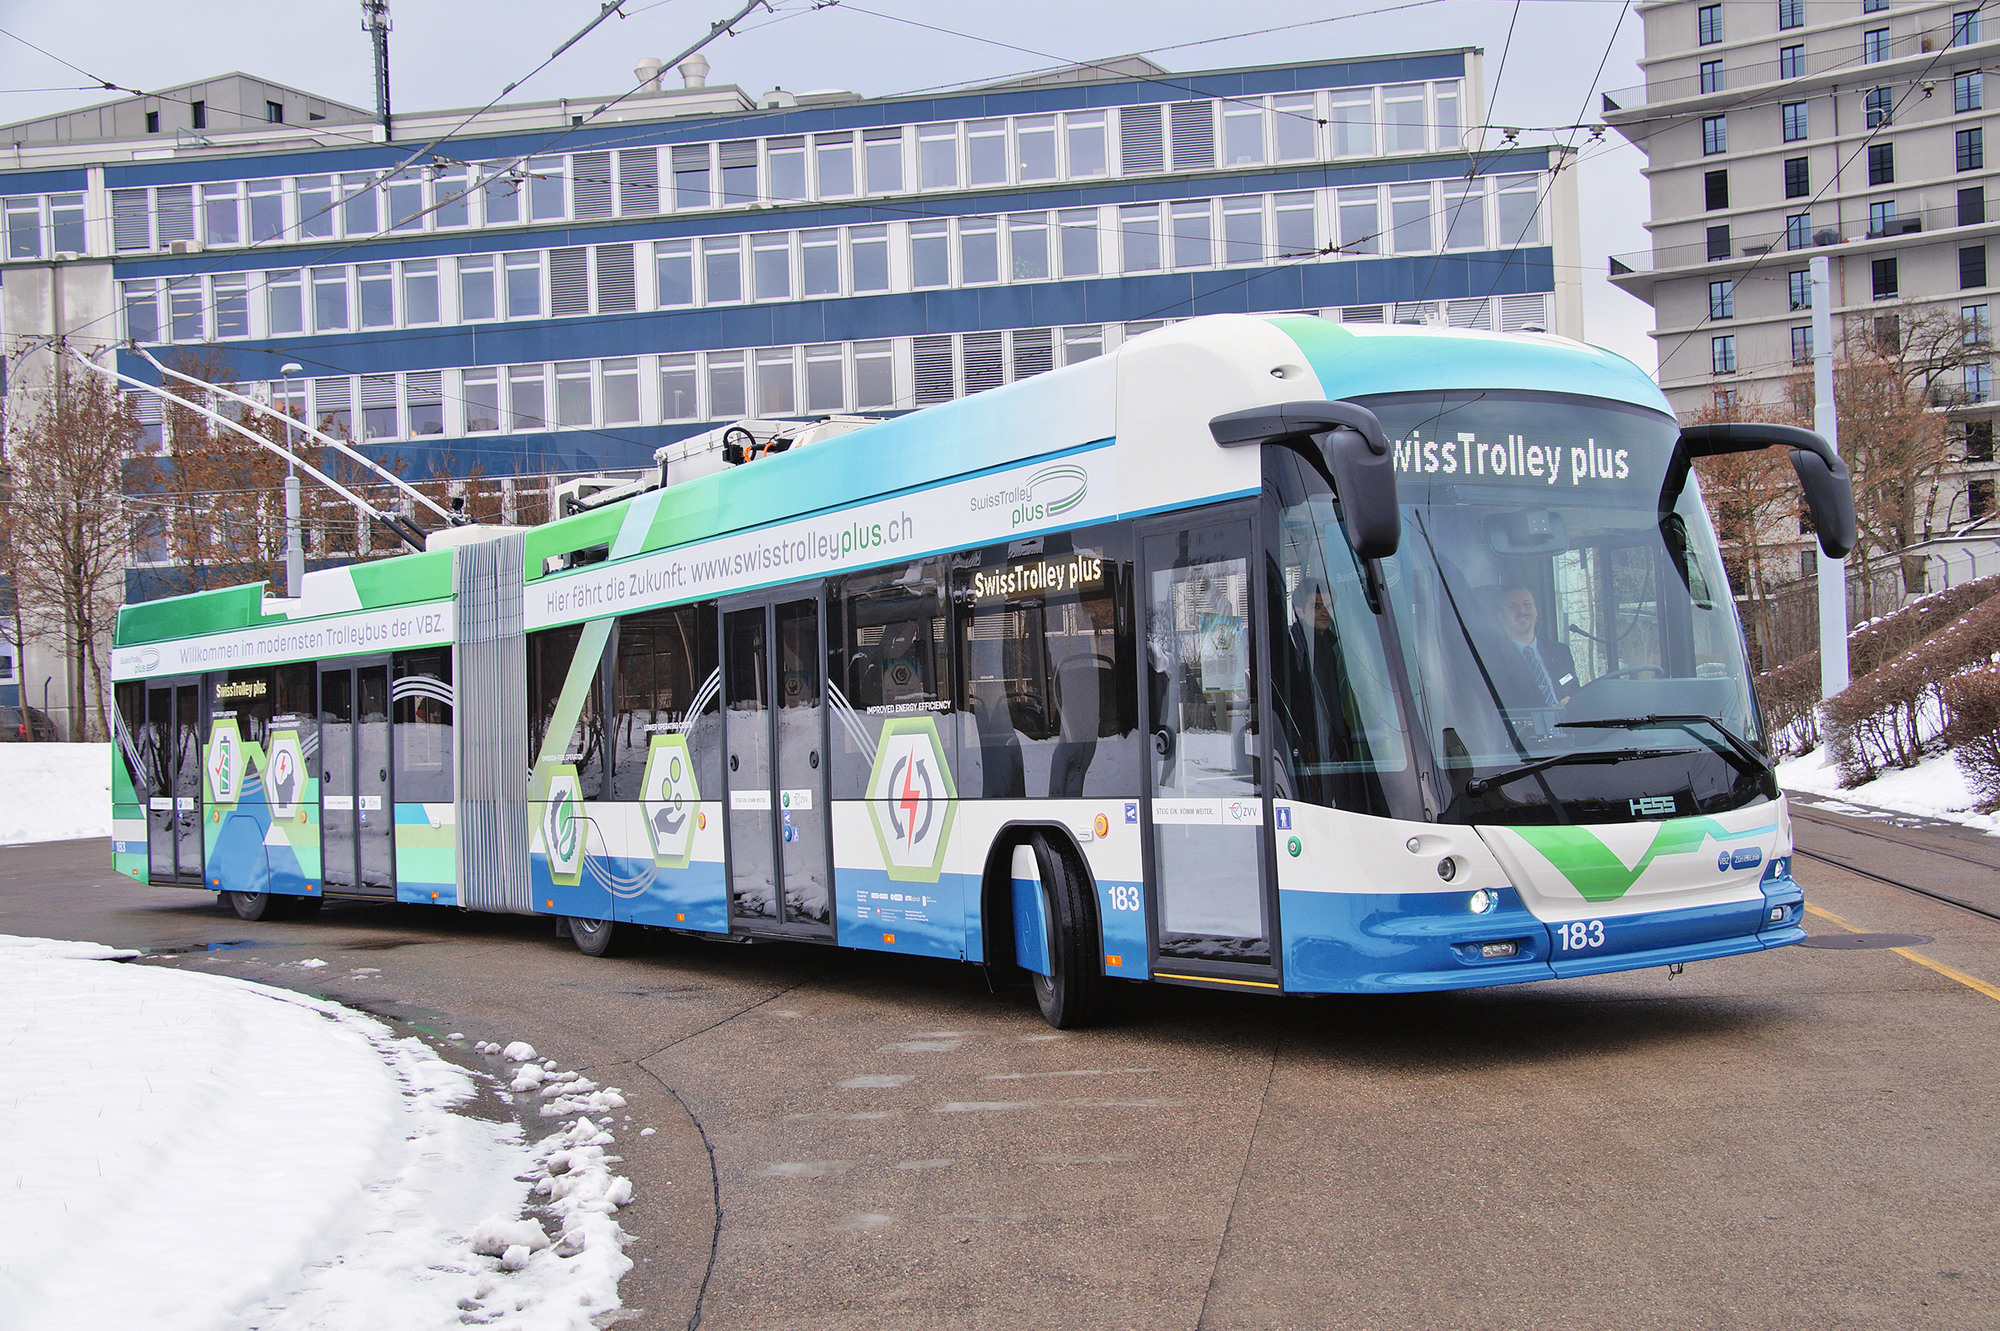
[[1345, 444], [1822, 475]]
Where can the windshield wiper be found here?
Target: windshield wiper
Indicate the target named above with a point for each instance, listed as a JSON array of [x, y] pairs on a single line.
[[1744, 749], [1480, 785]]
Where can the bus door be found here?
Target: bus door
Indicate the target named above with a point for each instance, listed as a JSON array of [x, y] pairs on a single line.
[[774, 733], [357, 814], [1207, 876], [173, 782]]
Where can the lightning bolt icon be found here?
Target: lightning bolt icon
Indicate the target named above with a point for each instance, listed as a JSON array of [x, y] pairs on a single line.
[[908, 802]]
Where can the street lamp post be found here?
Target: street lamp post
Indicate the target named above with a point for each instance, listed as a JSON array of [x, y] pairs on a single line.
[[295, 550]]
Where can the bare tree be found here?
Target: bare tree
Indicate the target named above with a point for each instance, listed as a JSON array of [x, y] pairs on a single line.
[[1892, 388], [70, 535], [222, 495], [1753, 501]]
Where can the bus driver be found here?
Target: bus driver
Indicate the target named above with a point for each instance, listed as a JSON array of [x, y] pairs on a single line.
[[1532, 671]]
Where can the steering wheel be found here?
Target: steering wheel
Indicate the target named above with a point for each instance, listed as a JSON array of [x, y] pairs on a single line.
[[1629, 672]]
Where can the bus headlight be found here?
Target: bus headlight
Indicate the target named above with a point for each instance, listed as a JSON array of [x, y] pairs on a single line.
[[1447, 868], [1483, 901]]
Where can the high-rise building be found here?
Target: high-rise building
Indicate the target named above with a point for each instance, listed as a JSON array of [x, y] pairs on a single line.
[[1777, 130]]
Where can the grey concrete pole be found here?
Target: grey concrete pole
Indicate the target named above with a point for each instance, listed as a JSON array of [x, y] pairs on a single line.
[[295, 550], [1832, 572]]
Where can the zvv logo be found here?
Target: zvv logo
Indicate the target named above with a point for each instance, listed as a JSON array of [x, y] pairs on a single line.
[[911, 799]]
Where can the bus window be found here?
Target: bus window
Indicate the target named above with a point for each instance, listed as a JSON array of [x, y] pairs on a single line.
[[666, 683], [1332, 696], [246, 695], [422, 699], [888, 656], [550, 656], [1045, 643]]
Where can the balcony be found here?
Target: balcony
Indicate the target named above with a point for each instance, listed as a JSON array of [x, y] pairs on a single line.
[[1752, 246]]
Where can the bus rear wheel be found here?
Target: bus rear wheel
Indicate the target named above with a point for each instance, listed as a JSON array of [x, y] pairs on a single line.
[[1074, 993], [593, 938], [251, 905]]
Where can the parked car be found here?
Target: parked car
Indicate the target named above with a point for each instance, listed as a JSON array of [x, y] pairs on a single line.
[[14, 727]]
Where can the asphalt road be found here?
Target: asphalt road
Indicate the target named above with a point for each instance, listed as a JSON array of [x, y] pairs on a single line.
[[1807, 1138]]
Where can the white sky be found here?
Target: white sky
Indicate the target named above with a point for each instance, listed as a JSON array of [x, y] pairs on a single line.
[[454, 53]]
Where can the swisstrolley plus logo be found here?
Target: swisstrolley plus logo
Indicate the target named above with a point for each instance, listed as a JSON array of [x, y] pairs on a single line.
[[1043, 497]]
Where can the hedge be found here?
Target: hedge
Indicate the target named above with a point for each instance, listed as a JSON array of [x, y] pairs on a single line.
[[1972, 700], [1789, 694], [1881, 719]]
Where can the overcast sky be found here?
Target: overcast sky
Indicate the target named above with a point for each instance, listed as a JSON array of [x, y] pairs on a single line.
[[458, 53]]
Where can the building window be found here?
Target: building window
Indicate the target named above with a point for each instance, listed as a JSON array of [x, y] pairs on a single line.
[[1714, 134], [1802, 344], [1882, 218], [1889, 333], [1798, 178], [1972, 205], [283, 302], [937, 156], [1874, 6], [1711, 76], [882, 160], [1791, 61], [1722, 300], [1798, 288], [1885, 279], [329, 300], [1715, 190], [1722, 354], [1795, 121], [1718, 243], [198, 114], [1965, 27], [1979, 441], [1968, 92], [274, 113], [1708, 24], [1977, 322], [1971, 149], [1798, 231], [524, 285], [1139, 229], [1972, 267], [1978, 383], [1791, 14], [1979, 498], [152, 122], [930, 254], [1875, 45], [1881, 106], [1881, 163]]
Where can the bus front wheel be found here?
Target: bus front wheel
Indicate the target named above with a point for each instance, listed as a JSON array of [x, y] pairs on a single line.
[[1074, 993], [593, 938]]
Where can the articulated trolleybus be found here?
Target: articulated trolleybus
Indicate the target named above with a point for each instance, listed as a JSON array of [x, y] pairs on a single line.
[[1267, 654]]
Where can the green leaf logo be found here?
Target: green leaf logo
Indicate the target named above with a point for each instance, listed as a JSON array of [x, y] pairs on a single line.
[[1597, 874]]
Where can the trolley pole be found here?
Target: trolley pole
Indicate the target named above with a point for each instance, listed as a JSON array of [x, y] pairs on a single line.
[[1832, 572], [295, 550]]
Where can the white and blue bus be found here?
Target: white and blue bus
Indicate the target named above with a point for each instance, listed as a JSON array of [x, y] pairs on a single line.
[[1265, 654]]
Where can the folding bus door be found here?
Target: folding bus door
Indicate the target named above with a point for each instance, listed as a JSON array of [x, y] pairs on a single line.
[[774, 734], [171, 748], [1207, 872], [357, 833]]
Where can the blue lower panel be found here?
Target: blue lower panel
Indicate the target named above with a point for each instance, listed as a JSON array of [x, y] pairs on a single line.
[[872, 910], [239, 861], [636, 891], [1657, 938], [696, 897], [1121, 913], [1352, 942]]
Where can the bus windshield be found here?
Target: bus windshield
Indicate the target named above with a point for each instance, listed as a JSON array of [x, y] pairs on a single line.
[[1572, 649]]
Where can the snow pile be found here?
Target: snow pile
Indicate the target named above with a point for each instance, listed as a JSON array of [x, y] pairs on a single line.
[[54, 792], [1934, 788], [14, 948], [192, 1151]]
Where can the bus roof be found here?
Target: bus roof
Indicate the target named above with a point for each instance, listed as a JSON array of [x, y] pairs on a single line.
[[1064, 409]]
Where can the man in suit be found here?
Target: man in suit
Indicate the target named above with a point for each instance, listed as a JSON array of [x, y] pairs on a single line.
[[1536, 672]]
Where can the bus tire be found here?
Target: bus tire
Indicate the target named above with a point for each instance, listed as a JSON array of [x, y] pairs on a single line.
[[253, 905], [593, 938], [1074, 994]]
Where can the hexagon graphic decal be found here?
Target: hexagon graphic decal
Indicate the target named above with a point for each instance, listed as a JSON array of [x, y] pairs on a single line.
[[562, 826], [911, 799], [285, 781], [671, 796], [225, 763]]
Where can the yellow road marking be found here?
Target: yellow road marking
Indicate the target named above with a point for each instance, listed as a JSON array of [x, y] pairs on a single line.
[[1949, 972]]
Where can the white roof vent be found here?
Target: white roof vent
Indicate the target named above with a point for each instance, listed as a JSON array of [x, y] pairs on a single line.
[[648, 69], [775, 98], [694, 71]]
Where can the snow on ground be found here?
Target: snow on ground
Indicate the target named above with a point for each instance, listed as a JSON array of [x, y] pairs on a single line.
[[1934, 788], [189, 1152], [54, 792]]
